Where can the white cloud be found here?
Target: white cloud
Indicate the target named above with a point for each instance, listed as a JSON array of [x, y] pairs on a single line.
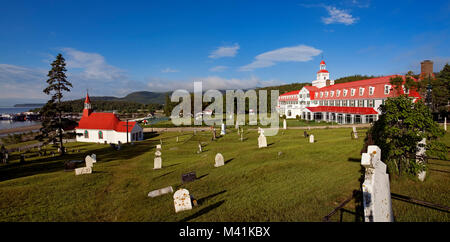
[[18, 81], [299, 53], [169, 70], [225, 51], [218, 68], [338, 16]]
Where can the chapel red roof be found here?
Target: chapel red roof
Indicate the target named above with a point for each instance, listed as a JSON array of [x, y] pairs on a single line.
[[322, 62], [322, 71], [87, 100], [104, 121]]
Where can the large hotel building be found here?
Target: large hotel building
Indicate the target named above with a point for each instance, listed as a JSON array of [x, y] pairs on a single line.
[[344, 103]]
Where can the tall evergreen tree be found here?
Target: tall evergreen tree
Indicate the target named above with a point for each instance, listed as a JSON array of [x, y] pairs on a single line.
[[52, 122]]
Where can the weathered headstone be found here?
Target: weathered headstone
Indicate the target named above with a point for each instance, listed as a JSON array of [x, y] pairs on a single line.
[[219, 160], [311, 138], [83, 170], [89, 161], [182, 200], [188, 177], [284, 124], [177, 139], [214, 133], [158, 147], [157, 162], [262, 141], [354, 133], [421, 157], [222, 130], [199, 148], [376, 189], [160, 192]]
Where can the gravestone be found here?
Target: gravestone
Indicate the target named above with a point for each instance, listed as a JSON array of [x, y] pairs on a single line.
[[262, 141], [182, 200], [160, 192], [214, 133], [160, 141], [83, 170], [188, 177], [445, 123], [158, 147], [421, 157], [94, 158], [89, 161], [354, 133], [376, 189], [222, 130], [219, 160], [311, 138], [242, 137], [177, 139], [284, 124], [199, 148], [157, 162]]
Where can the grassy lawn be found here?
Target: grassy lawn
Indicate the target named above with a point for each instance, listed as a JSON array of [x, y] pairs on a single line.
[[302, 183]]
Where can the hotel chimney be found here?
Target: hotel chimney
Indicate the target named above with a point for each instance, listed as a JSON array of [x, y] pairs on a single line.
[[426, 69]]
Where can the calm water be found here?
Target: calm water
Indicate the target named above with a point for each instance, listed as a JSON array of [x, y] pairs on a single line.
[[9, 124]]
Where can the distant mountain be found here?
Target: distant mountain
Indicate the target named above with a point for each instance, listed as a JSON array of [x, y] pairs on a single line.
[[145, 97], [29, 105]]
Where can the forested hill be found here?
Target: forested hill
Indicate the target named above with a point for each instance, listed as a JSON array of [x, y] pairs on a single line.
[[142, 97]]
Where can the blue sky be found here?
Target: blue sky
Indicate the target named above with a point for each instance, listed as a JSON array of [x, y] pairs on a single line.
[[114, 48]]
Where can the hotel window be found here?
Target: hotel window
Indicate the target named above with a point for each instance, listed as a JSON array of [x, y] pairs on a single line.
[[352, 103], [307, 95], [361, 91], [321, 94], [371, 90], [338, 92], [345, 92], [360, 103], [316, 95], [405, 90], [326, 94], [331, 93], [353, 92], [100, 135], [86, 134], [307, 103], [387, 88], [371, 103]]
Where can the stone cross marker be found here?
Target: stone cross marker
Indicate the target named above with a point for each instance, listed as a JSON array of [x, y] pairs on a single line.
[[182, 200], [157, 162], [262, 141], [160, 192], [284, 124], [376, 189], [420, 157], [311, 138], [219, 160]]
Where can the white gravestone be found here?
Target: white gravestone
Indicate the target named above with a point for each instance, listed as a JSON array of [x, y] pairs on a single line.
[[83, 170], [445, 123], [89, 161], [262, 141], [160, 192], [200, 148], [376, 189], [94, 158], [182, 200], [355, 133], [157, 162], [420, 157], [284, 124], [158, 147], [219, 160], [311, 138], [222, 130]]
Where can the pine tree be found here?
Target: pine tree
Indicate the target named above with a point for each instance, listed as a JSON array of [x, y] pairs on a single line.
[[52, 123]]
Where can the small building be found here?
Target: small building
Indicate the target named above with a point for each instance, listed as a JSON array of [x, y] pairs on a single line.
[[105, 127]]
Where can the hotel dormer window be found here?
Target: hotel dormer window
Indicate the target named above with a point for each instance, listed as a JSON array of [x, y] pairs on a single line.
[[321, 94], [353, 92], [405, 90], [326, 94], [331, 93], [345, 92], [316, 95], [387, 89], [338, 92], [371, 90], [361, 91]]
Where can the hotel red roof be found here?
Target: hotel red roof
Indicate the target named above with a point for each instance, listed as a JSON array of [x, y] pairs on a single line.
[[104, 121], [352, 110]]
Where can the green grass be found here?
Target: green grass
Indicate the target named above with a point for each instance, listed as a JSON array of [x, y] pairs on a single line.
[[304, 183]]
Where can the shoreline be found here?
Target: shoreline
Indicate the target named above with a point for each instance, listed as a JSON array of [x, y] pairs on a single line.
[[20, 129]]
